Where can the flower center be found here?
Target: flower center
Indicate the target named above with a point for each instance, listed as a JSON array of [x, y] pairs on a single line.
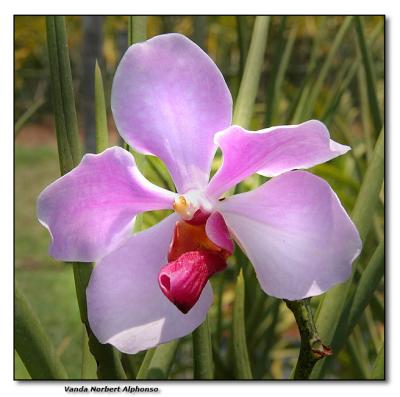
[[192, 259], [193, 206]]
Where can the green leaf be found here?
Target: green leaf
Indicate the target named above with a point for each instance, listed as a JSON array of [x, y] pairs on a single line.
[[88, 369], [367, 284], [53, 43], [33, 344], [344, 78], [132, 363], [108, 359], [378, 371], [357, 304], [297, 107], [202, 352], [23, 119], [145, 364], [280, 76], [161, 361], [358, 355], [100, 111], [369, 71], [271, 93], [244, 105], [322, 74], [334, 302], [368, 195], [243, 40], [137, 29], [62, 93], [70, 155], [137, 32], [241, 355]]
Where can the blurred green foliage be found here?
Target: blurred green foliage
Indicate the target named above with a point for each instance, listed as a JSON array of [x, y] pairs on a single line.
[[297, 50]]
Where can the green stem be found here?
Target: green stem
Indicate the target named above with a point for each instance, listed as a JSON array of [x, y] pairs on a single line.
[[88, 370], [137, 32], [33, 344], [61, 80], [64, 151], [297, 107], [243, 368], [145, 364], [107, 358], [378, 371], [368, 195], [323, 73], [100, 111], [334, 302], [252, 72], [369, 72], [311, 347], [367, 284], [243, 40], [70, 155], [137, 29], [162, 360], [202, 352], [357, 357], [164, 181], [27, 115]]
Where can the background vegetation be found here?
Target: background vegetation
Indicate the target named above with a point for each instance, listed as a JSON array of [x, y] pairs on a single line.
[[326, 67]]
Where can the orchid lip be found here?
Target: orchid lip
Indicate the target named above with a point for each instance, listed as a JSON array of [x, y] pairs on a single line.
[[183, 280]]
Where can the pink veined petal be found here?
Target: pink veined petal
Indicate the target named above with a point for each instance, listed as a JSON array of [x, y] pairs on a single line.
[[126, 306], [168, 100], [296, 234], [271, 152], [91, 209], [218, 232]]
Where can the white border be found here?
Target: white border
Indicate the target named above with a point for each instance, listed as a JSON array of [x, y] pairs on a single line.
[[7, 385]]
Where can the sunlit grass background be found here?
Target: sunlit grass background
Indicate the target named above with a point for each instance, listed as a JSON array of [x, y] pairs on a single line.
[[296, 56]]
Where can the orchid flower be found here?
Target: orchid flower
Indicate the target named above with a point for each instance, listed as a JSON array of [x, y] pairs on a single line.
[[170, 100]]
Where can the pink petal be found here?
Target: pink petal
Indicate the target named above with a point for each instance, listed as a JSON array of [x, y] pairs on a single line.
[[91, 209], [218, 232], [271, 152], [125, 304], [296, 233], [169, 99]]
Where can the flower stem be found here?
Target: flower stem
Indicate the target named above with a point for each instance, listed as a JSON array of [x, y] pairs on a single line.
[[311, 348], [202, 352]]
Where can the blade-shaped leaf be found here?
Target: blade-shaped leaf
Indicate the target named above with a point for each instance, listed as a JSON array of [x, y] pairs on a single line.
[[242, 363], [100, 111], [244, 105], [333, 304], [33, 344], [202, 352]]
